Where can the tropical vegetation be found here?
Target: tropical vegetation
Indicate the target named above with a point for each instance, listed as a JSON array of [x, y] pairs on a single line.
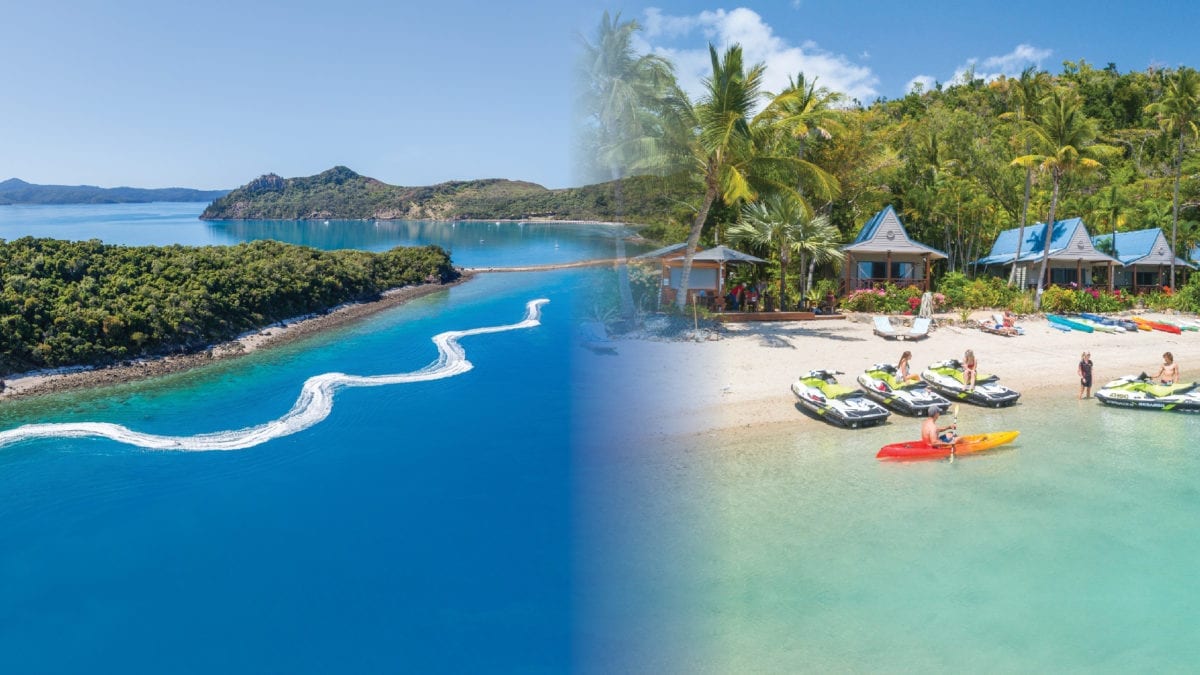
[[88, 303], [960, 161]]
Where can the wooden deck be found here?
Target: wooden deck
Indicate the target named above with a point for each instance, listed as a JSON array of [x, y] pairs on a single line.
[[744, 317]]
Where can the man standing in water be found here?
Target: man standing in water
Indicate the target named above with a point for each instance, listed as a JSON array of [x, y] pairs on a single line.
[[1169, 373]]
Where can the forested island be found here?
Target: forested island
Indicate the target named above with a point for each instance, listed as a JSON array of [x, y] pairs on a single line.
[[340, 193], [89, 303], [17, 191]]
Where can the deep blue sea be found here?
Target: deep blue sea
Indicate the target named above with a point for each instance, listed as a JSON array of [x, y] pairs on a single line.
[[424, 525]]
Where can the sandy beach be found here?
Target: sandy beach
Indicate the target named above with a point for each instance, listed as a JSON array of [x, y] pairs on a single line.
[[740, 381], [65, 379]]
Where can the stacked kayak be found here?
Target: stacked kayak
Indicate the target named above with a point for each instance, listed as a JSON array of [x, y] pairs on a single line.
[[1146, 324], [1069, 323], [911, 450], [1128, 325], [1101, 327]]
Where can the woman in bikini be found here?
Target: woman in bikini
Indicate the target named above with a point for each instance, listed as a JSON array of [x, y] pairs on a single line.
[[969, 369], [902, 368]]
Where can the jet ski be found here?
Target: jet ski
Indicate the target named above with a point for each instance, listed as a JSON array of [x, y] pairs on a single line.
[[820, 393], [1141, 391], [881, 383], [947, 379]]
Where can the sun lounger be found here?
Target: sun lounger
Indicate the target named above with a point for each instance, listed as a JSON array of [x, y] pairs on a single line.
[[997, 327], [884, 329], [919, 330]]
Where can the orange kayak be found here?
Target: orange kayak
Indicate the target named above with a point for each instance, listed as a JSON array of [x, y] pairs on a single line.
[[965, 445], [1145, 324]]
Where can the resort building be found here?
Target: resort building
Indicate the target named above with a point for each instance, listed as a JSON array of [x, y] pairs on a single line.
[[883, 253], [1071, 259], [706, 283], [1145, 257]]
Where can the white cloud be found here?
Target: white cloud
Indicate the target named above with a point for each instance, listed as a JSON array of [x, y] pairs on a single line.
[[759, 44], [926, 82], [1009, 65]]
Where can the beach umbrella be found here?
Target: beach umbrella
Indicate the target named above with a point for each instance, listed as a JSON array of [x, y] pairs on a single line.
[[724, 255]]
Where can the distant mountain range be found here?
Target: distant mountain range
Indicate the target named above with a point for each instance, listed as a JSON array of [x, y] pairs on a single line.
[[17, 191], [340, 193]]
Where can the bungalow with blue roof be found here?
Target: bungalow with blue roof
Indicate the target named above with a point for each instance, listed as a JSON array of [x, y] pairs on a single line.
[[1145, 256], [883, 253], [1072, 254]]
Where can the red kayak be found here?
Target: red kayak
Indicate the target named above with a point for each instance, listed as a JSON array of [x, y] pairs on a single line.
[[1164, 327], [964, 445]]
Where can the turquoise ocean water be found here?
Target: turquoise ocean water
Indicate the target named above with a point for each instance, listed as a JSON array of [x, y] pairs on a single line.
[[526, 515]]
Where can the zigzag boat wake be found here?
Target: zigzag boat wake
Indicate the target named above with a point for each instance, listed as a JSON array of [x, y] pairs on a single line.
[[312, 406]]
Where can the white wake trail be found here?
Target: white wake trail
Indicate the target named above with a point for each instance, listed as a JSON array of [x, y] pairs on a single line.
[[312, 406]]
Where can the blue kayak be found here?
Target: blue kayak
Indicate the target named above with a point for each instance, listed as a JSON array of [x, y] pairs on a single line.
[[1074, 325], [1129, 326]]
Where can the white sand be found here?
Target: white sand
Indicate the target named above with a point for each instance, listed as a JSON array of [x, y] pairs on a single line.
[[742, 381]]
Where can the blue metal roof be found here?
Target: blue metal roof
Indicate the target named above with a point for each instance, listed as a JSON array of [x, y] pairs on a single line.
[[871, 227], [1035, 242], [1133, 246], [868, 229], [1194, 256]]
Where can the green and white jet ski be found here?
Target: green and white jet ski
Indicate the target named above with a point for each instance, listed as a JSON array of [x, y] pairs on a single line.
[[1140, 391], [947, 378], [820, 392], [880, 383]]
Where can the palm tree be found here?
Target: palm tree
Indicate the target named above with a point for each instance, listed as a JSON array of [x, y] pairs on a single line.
[[623, 94], [1028, 92], [783, 225], [1178, 112], [1065, 138], [802, 111], [730, 150], [1110, 206]]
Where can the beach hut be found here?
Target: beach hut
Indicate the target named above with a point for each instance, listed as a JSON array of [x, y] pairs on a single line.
[[1145, 257], [1072, 254], [706, 283], [884, 253]]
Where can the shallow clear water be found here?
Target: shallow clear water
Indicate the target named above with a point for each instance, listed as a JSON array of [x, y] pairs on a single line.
[[795, 549]]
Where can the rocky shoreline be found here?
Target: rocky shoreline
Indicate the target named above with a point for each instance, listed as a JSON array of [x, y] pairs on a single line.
[[40, 383]]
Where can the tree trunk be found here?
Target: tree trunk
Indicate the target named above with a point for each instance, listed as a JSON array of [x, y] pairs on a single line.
[[783, 263], [710, 195], [1037, 301], [624, 291], [1175, 217], [1012, 276]]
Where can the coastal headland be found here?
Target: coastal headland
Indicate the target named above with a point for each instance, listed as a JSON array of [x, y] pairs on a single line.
[[66, 379]]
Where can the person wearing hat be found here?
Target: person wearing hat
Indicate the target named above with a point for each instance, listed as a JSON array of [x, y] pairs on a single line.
[[934, 435]]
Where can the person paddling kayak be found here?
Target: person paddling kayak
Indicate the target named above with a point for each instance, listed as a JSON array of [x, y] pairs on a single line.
[[937, 436]]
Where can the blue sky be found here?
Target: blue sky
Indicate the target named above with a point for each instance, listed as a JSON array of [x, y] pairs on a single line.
[[212, 94]]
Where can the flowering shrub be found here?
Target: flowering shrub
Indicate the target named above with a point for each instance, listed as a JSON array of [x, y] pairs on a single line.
[[889, 299], [865, 300], [1058, 299]]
